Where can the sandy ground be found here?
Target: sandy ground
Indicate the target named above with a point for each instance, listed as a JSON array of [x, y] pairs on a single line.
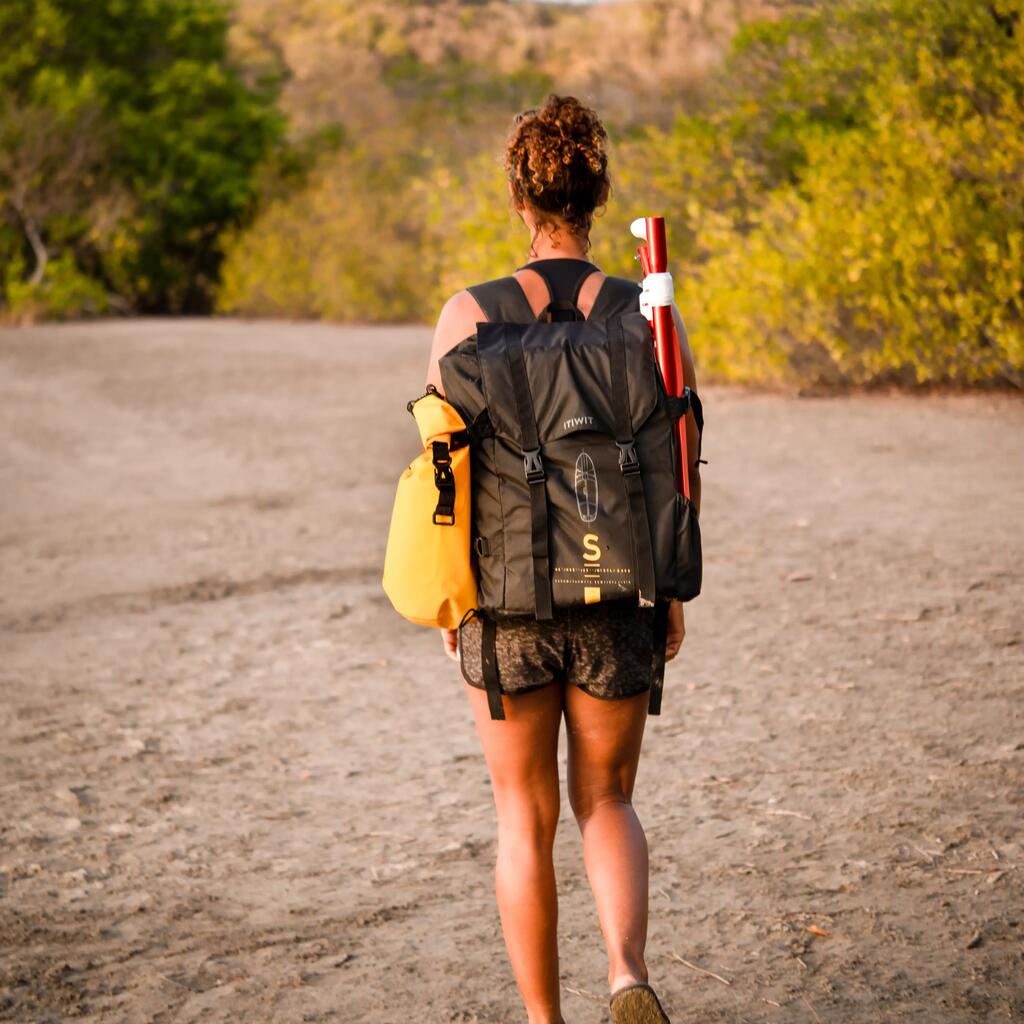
[[235, 786]]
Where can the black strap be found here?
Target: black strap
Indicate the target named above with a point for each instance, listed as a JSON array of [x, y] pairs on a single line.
[[618, 295], [489, 667], [679, 405], [533, 466], [698, 417], [503, 301], [584, 277], [658, 668], [444, 481], [561, 311], [629, 464]]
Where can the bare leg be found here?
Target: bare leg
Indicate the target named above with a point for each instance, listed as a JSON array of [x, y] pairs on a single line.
[[604, 746], [522, 758]]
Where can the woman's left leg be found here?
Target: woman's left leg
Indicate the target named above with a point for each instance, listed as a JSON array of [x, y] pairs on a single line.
[[522, 758]]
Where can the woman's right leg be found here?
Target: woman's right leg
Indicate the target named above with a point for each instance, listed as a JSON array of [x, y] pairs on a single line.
[[522, 758], [604, 747]]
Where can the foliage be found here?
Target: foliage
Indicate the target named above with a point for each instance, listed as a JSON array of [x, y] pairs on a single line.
[[172, 131], [844, 199], [61, 292], [346, 247], [881, 238], [844, 191]]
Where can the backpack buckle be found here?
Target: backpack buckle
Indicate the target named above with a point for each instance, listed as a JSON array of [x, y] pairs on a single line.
[[533, 466], [629, 462]]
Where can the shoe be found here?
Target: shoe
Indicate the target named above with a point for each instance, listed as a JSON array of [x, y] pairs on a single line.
[[637, 1004]]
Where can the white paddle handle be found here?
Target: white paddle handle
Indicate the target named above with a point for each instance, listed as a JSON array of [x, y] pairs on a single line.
[[657, 290]]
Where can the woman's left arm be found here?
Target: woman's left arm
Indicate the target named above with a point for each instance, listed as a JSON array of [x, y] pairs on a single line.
[[690, 380]]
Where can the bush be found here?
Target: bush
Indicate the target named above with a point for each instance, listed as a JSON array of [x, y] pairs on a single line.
[[63, 293], [347, 247], [876, 227]]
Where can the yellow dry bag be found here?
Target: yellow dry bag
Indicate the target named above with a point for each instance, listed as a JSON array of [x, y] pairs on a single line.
[[428, 571]]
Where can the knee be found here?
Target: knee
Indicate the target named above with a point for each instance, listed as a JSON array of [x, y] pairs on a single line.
[[527, 820], [585, 801]]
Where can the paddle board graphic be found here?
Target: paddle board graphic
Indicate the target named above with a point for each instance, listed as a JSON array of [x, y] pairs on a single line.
[[586, 487]]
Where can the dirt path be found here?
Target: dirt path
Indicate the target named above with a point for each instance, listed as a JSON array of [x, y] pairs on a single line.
[[234, 786]]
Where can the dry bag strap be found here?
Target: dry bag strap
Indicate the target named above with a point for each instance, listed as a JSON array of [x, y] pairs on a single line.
[[444, 477], [533, 466], [444, 481], [629, 463], [489, 667], [660, 639]]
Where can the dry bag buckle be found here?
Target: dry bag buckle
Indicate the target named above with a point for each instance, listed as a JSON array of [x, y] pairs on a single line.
[[629, 463], [439, 456], [534, 466], [444, 481]]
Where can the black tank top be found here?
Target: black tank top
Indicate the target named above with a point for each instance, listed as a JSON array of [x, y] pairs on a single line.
[[564, 277], [503, 298]]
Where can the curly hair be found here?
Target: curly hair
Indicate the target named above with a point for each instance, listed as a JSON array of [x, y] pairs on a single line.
[[557, 163]]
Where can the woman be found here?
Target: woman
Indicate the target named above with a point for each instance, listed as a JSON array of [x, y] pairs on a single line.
[[557, 175]]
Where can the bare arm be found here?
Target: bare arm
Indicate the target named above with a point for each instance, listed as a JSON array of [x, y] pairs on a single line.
[[458, 320], [676, 621]]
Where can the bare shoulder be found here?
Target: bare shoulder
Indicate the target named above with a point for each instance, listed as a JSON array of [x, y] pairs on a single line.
[[457, 321], [459, 317]]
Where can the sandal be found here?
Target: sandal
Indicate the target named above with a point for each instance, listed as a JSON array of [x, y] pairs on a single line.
[[637, 1004]]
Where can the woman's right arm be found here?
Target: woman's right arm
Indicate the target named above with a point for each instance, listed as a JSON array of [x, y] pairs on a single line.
[[458, 320]]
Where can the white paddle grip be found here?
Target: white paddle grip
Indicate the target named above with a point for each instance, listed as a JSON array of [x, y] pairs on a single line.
[[657, 291]]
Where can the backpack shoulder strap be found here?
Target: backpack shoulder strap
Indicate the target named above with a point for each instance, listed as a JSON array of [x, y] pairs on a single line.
[[503, 301], [617, 295]]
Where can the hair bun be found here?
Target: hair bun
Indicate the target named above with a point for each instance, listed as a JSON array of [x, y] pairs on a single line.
[[557, 161]]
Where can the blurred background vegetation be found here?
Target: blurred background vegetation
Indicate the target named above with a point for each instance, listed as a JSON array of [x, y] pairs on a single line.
[[843, 180]]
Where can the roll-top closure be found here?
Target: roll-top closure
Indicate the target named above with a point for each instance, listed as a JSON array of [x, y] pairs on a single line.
[[570, 376]]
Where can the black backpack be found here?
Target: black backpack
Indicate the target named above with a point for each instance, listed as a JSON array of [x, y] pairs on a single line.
[[574, 455]]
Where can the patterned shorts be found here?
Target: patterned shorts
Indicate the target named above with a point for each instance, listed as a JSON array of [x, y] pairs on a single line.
[[606, 649]]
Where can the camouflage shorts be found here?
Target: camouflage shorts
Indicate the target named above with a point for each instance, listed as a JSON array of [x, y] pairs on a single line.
[[607, 650]]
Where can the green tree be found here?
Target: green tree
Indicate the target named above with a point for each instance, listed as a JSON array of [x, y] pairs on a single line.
[[181, 132]]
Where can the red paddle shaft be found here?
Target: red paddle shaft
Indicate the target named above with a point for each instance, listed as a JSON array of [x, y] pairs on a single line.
[[654, 260]]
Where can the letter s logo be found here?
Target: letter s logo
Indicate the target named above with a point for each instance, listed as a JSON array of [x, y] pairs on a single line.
[[591, 547]]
